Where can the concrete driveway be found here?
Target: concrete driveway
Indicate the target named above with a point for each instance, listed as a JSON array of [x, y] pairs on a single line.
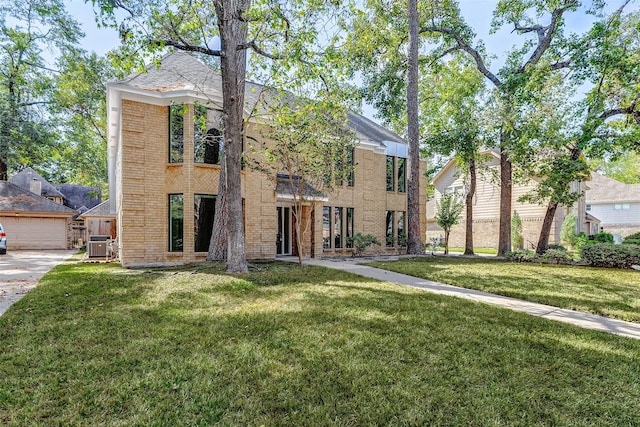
[[21, 270]]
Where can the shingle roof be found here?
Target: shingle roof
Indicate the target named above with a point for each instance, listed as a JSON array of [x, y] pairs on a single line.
[[283, 188], [15, 198], [180, 71], [101, 210], [24, 177], [78, 196], [601, 189], [371, 130]]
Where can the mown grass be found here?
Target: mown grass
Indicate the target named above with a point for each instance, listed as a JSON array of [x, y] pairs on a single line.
[[608, 292], [101, 345], [489, 251]]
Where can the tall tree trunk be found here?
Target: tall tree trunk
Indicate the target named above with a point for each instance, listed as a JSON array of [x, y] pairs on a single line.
[[468, 242], [543, 241], [414, 241], [446, 241], [545, 231], [233, 63], [218, 243], [504, 238]]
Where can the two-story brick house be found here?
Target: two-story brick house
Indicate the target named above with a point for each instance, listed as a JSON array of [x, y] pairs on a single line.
[[164, 172]]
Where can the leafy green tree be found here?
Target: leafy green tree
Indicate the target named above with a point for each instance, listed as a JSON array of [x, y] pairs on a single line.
[[309, 141], [28, 29], [448, 212], [517, 241], [278, 35], [79, 106], [568, 230], [525, 68], [451, 123], [602, 123], [624, 168]]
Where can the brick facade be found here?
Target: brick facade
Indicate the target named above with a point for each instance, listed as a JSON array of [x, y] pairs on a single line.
[[146, 179]]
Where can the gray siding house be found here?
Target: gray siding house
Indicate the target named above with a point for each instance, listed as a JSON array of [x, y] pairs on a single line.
[[615, 204]]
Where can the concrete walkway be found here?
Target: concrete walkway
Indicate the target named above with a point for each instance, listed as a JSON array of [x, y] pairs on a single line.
[[584, 320]]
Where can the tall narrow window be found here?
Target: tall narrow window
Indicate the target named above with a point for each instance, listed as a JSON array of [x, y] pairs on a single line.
[[326, 227], [402, 227], [204, 211], [337, 227], [176, 222], [176, 133], [207, 142], [390, 238], [351, 164], [391, 173], [349, 227], [402, 174]]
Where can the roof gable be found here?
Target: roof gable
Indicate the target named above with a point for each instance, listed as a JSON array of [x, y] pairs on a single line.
[[179, 72], [602, 189], [24, 177], [101, 210]]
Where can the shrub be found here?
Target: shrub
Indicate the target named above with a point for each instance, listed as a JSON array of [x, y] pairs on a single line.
[[632, 239], [361, 242], [580, 240], [557, 247], [567, 231], [613, 256], [557, 256], [603, 237], [634, 236], [522, 255], [517, 241]]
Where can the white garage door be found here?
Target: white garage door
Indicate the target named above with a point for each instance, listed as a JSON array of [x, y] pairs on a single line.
[[35, 233]]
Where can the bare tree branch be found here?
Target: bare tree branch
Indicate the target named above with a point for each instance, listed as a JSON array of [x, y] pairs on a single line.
[[549, 32], [186, 47], [463, 45]]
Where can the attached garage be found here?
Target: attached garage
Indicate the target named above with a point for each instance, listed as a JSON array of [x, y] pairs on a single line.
[[35, 233], [31, 221]]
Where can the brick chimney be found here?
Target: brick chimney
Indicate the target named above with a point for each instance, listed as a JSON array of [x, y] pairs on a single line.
[[35, 186]]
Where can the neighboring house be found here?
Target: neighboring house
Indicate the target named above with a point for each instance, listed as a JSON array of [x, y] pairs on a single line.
[[616, 204], [31, 180], [486, 207], [79, 198], [32, 221], [163, 179]]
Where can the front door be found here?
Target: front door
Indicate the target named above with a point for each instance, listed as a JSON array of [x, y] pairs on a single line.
[[283, 238]]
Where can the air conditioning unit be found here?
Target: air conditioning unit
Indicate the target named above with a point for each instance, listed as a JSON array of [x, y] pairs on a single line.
[[98, 246]]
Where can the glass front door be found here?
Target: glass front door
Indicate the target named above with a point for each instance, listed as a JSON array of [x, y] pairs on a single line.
[[283, 238]]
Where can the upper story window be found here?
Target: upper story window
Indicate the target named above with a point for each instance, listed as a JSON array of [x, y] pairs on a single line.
[[457, 190], [622, 206], [588, 208], [207, 142], [391, 173], [396, 181], [351, 163], [176, 133], [402, 174]]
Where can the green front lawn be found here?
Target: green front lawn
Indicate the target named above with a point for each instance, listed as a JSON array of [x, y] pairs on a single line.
[[101, 345], [608, 292]]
